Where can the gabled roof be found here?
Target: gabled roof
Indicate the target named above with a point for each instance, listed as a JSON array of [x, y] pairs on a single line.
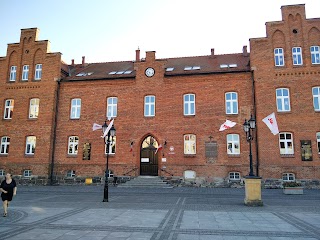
[[210, 64]]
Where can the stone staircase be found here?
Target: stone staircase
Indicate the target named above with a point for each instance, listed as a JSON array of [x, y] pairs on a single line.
[[146, 182]]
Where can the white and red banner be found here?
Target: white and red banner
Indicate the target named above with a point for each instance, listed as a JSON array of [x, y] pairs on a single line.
[[96, 126], [158, 149], [271, 122], [108, 128], [226, 125]]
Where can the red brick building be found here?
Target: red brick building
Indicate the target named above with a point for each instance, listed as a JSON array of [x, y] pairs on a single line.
[[175, 105]]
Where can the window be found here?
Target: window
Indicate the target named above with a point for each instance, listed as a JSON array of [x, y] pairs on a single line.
[[2, 173], [71, 173], [316, 98], [149, 106], [286, 143], [112, 146], [283, 100], [189, 144], [27, 173], [318, 141], [278, 57], [25, 72], [30, 145], [13, 73], [73, 145], [112, 107], [5, 142], [189, 104], [34, 108], [75, 108], [233, 144], [297, 55], [231, 103], [8, 109], [38, 73], [315, 54], [234, 176], [188, 68], [288, 177]]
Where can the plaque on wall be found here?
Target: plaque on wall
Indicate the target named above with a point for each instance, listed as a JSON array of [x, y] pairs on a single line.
[[211, 149], [306, 150], [86, 151]]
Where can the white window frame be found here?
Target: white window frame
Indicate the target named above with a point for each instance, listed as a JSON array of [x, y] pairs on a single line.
[[189, 104], [71, 173], [288, 177], [73, 145], [27, 173], [75, 110], [318, 141], [112, 107], [297, 56], [315, 54], [34, 108], [8, 109], [233, 144], [234, 176], [190, 144], [316, 98], [150, 106], [278, 57], [112, 146], [25, 73], [230, 108], [13, 73], [2, 172], [5, 144], [38, 72], [287, 142], [283, 100], [30, 145]]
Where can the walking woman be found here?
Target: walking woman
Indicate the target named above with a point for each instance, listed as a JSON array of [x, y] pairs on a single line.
[[9, 189]]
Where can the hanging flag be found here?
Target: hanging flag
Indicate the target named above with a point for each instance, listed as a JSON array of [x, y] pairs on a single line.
[[131, 147], [96, 126], [228, 124], [271, 122], [158, 149], [108, 128]]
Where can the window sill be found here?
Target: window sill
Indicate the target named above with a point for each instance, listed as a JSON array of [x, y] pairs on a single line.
[[74, 118], [32, 119], [4, 154], [36, 80], [234, 155], [72, 155], [189, 116], [29, 155], [110, 155], [190, 155], [287, 155]]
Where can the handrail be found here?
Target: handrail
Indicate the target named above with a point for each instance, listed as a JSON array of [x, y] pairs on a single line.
[[133, 169], [164, 170]]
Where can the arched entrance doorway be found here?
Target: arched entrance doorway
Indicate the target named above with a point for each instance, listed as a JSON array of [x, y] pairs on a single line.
[[148, 158]]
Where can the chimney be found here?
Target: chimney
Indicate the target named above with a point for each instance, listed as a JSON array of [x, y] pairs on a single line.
[[150, 56], [72, 62], [212, 51], [138, 55], [83, 60], [244, 51]]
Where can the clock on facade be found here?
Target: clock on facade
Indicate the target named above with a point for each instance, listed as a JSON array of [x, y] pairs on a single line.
[[149, 72]]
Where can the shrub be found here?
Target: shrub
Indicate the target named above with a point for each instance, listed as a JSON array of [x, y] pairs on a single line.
[[291, 184]]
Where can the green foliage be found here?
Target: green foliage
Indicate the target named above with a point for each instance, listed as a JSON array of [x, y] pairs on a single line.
[[291, 184]]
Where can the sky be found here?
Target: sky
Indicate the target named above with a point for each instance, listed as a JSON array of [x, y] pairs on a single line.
[[111, 30]]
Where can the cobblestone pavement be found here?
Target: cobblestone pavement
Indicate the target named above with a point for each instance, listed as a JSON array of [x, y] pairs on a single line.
[[77, 212]]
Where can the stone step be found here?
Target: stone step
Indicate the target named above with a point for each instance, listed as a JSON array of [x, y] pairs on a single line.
[[146, 181]]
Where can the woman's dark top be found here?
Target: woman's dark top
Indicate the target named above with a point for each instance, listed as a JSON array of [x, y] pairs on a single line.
[[9, 188]]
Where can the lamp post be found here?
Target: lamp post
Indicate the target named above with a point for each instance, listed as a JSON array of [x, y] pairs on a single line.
[[248, 127], [112, 133]]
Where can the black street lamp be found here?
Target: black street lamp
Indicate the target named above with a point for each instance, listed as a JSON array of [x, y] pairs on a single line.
[[248, 127], [112, 133]]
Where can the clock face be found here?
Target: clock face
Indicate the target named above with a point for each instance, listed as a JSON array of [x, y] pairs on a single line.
[[149, 72]]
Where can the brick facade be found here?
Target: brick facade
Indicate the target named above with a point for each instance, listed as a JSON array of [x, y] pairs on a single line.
[[253, 77]]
